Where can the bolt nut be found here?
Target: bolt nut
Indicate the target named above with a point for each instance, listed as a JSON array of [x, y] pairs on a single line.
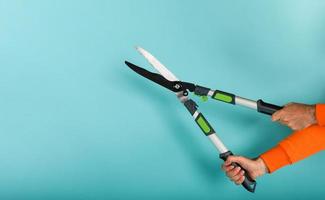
[[177, 86]]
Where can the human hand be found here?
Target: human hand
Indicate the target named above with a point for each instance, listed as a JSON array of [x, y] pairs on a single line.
[[254, 168], [296, 116]]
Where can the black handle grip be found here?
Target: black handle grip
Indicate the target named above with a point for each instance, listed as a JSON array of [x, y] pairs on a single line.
[[267, 108], [249, 184]]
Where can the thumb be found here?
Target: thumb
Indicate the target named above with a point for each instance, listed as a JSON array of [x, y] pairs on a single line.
[[238, 159], [277, 115]]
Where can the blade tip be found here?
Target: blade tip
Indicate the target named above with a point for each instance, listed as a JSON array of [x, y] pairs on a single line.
[[139, 49], [128, 63]]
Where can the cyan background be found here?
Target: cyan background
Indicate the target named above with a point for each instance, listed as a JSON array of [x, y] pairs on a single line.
[[76, 123]]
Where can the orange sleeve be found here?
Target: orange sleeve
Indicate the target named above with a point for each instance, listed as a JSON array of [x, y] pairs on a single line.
[[320, 114], [297, 146]]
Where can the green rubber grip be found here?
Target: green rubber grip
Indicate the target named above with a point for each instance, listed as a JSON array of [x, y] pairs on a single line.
[[224, 96], [204, 125]]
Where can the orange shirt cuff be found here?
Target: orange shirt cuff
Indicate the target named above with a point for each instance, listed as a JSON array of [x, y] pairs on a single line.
[[275, 158], [295, 147], [320, 114]]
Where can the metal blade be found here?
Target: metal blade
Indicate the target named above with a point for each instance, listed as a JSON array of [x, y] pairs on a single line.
[[157, 65], [157, 78]]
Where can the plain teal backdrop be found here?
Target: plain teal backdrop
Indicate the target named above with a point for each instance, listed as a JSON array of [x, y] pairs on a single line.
[[76, 123]]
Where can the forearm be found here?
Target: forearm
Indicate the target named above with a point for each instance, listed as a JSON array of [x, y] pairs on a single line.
[[297, 146]]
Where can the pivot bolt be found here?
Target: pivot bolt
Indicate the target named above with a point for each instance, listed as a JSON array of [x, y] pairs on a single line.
[[177, 86]]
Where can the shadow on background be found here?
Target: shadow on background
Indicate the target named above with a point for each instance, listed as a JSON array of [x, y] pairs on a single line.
[[251, 124], [158, 96]]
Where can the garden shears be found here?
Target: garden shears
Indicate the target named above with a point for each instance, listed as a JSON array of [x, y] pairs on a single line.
[[168, 80]]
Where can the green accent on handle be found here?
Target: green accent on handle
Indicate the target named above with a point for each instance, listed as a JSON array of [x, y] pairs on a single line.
[[203, 124], [223, 97], [204, 98]]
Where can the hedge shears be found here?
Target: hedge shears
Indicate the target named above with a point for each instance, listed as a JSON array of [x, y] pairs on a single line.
[[167, 79]]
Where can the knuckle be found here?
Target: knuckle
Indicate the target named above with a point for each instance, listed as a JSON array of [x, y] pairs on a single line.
[[290, 103]]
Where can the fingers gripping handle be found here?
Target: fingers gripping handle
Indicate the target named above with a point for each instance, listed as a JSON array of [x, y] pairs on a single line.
[[267, 108], [249, 184]]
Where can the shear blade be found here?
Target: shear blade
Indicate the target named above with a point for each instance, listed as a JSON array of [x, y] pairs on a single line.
[[157, 78], [157, 64]]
